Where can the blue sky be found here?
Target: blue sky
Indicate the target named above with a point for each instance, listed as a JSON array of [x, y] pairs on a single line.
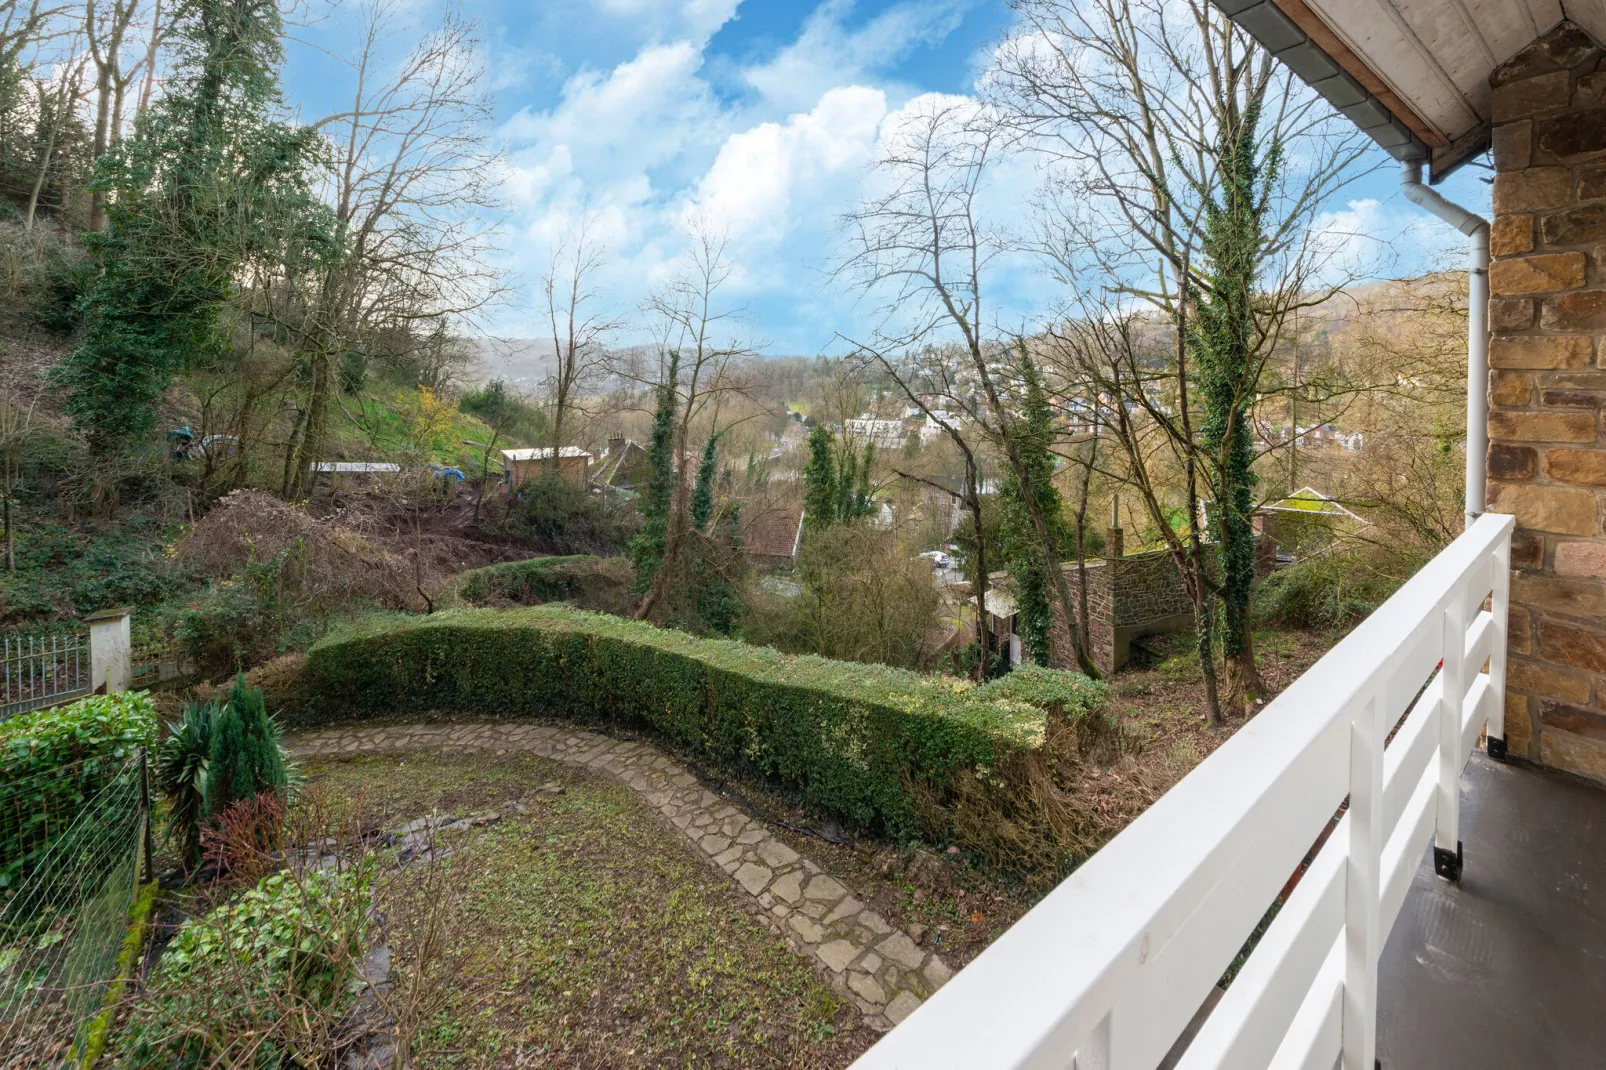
[[762, 114]]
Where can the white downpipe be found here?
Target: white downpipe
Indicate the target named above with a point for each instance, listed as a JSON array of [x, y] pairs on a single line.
[[1476, 228]]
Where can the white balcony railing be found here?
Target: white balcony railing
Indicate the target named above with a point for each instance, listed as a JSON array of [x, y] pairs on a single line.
[[1110, 968]]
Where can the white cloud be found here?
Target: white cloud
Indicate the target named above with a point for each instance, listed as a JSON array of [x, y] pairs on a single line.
[[1369, 238], [827, 53], [644, 105], [663, 20], [751, 187], [640, 149]]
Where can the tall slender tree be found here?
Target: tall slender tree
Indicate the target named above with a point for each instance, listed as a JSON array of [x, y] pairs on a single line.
[[209, 181], [819, 481], [1224, 344], [1026, 487], [647, 548]]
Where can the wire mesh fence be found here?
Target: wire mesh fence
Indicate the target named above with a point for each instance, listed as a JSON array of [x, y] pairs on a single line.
[[42, 670], [66, 914]]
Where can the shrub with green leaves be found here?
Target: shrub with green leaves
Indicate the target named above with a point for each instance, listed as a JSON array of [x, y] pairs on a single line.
[[181, 764], [1336, 590], [54, 761], [559, 517], [598, 583], [245, 759], [1069, 693], [1077, 726], [879, 747], [243, 984]]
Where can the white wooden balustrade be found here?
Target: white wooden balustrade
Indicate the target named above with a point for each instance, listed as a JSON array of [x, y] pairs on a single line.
[[1107, 971]]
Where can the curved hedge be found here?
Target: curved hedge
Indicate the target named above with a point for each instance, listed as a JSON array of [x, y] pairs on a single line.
[[599, 583], [883, 748]]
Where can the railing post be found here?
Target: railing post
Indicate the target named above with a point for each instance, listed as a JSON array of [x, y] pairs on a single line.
[[111, 651], [1500, 606], [1363, 882], [149, 871], [1453, 696]]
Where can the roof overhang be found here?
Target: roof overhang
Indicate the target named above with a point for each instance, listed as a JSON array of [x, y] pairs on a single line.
[[1412, 74]]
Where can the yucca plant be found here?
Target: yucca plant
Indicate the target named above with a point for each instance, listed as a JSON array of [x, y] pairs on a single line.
[[182, 760]]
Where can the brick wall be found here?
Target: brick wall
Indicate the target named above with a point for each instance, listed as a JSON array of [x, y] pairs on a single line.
[[1126, 593], [1547, 459]]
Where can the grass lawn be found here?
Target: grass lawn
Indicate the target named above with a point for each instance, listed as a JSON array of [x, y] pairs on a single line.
[[585, 933]]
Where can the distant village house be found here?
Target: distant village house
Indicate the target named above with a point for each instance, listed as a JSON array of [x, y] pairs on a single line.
[[522, 465]]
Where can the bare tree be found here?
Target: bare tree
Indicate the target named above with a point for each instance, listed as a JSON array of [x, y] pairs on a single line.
[[106, 25], [159, 31], [410, 179], [694, 323], [55, 105], [16, 430], [922, 245], [1183, 170], [580, 324]]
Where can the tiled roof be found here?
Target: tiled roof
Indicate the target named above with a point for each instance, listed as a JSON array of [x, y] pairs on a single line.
[[771, 532]]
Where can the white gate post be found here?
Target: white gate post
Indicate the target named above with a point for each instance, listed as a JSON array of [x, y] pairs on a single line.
[[111, 651]]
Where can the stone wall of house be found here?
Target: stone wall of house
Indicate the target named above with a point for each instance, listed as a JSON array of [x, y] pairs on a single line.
[[1125, 593], [1100, 613], [1134, 594], [1547, 459]]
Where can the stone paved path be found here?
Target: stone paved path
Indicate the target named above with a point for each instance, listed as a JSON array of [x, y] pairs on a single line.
[[880, 968]]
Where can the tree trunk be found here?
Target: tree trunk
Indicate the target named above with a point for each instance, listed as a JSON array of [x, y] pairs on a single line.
[[150, 60], [1081, 544], [973, 501], [11, 549], [1051, 561], [1204, 624], [103, 104], [292, 447]]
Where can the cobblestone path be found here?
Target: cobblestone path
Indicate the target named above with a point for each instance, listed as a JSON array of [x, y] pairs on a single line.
[[880, 968]]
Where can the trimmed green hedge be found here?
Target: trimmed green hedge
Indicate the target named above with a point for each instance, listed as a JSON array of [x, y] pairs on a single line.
[[599, 583], [55, 760], [1048, 689], [877, 746]]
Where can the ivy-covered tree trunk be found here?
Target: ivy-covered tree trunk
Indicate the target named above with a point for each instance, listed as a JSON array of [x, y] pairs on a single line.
[[1033, 529], [702, 495], [1228, 370], [210, 180], [819, 481], [648, 547]]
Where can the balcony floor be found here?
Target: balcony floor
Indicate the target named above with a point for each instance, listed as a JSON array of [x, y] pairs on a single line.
[[1508, 969]]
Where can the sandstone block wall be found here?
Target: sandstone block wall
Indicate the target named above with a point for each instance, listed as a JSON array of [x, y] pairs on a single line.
[[1547, 379]]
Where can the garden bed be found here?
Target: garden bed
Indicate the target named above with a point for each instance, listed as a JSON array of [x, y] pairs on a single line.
[[588, 933]]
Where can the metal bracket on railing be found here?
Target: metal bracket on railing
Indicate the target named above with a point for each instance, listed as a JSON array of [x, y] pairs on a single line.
[[1497, 748], [1447, 863]]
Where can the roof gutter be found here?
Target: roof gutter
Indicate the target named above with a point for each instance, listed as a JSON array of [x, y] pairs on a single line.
[[1476, 228]]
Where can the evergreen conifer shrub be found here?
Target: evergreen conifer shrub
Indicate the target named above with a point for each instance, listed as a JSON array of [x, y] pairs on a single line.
[[245, 756]]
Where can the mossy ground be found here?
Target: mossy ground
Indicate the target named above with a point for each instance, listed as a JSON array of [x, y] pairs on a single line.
[[587, 934]]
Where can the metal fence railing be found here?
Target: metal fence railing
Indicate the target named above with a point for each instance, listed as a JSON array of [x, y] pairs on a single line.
[[42, 670], [159, 666]]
